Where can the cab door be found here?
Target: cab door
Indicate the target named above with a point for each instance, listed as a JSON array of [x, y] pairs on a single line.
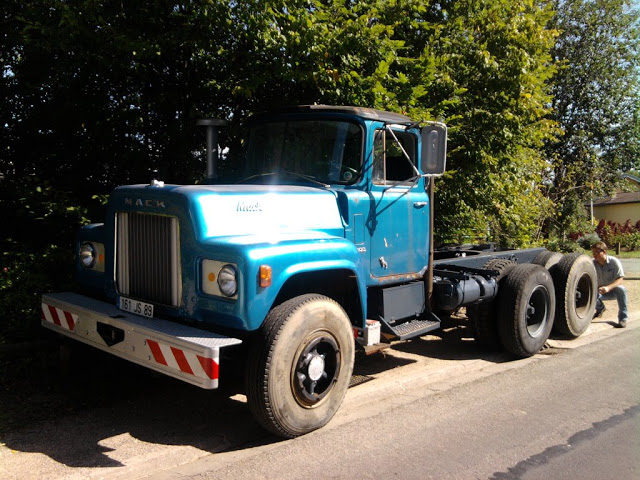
[[398, 220]]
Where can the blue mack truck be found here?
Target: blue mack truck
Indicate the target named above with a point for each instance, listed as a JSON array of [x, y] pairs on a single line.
[[323, 245]]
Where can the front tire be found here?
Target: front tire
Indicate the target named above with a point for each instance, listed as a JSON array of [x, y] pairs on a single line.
[[526, 306], [298, 371]]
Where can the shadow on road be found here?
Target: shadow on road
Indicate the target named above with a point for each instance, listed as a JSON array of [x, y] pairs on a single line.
[[453, 341], [73, 416]]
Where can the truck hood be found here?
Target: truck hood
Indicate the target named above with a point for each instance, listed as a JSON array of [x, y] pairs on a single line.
[[231, 210]]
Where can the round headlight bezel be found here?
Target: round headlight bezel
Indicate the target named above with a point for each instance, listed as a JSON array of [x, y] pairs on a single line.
[[228, 280], [88, 254]]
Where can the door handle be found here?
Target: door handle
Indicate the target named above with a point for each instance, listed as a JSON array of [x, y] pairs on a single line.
[[419, 204]]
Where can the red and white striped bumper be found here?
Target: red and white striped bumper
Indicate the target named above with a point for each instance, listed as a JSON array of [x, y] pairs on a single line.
[[59, 317], [182, 352]]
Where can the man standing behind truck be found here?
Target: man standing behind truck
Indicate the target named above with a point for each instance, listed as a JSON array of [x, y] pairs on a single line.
[[610, 278]]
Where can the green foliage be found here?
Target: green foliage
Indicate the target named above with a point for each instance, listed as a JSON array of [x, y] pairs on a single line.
[[587, 240], [627, 241], [563, 245], [595, 102], [98, 94], [23, 277], [484, 67], [39, 224]]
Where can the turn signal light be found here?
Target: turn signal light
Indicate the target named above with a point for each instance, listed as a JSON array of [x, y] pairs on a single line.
[[265, 276]]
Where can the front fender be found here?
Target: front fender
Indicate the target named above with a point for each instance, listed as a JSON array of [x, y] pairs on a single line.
[[293, 257], [287, 257]]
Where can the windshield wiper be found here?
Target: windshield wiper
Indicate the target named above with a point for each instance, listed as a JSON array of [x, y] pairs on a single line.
[[307, 178], [255, 175]]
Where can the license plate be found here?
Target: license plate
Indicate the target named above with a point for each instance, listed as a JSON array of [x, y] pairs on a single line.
[[137, 307]]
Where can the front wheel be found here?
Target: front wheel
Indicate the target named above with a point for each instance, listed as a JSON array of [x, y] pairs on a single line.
[[526, 305], [298, 370]]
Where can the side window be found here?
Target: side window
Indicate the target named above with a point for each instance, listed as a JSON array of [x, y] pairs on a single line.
[[389, 163], [378, 157]]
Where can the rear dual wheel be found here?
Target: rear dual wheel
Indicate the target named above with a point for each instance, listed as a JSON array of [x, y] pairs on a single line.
[[526, 305], [547, 259], [555, 291], [483, 316], [576, 288], [575, 281]]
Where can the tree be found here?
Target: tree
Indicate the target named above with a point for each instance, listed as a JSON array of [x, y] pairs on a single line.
[[101, 93], [483, 67], [95, 94], [596, 103], [98, 94]]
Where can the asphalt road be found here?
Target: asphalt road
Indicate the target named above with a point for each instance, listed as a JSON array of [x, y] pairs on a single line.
[[436, 407], [574, 414]]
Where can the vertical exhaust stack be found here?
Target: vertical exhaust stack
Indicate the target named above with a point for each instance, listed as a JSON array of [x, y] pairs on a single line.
[[212, 125]]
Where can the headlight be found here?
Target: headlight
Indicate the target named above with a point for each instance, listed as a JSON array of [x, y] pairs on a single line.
[[227, 280], [219, 278], [88, 255]]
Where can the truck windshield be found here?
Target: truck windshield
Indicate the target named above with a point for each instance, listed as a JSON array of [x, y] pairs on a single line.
[[324, 151]]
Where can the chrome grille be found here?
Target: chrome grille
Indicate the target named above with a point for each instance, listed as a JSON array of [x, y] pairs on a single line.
[[148, 257]]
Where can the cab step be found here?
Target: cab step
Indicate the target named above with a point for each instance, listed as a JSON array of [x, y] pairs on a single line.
[[412, 328]]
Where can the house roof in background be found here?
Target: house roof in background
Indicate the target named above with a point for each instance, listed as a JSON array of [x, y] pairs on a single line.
[[618, 198]]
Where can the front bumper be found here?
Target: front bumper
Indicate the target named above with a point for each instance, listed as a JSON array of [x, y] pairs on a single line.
[[186, 353]]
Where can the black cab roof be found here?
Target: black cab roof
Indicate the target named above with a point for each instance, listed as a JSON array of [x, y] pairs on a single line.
[[366, 113]]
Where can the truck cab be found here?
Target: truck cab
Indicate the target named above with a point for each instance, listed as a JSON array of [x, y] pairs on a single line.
[[328, 199]]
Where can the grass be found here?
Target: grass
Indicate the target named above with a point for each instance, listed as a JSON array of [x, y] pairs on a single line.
[[633, 254], [611, 251]]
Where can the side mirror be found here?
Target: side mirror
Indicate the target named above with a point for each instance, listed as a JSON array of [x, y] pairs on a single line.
[[433, 160]]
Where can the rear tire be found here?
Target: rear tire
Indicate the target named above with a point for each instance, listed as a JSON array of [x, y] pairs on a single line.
[[483, 316], [548, 259], [299, 369], [576, 286], [526, 305]]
